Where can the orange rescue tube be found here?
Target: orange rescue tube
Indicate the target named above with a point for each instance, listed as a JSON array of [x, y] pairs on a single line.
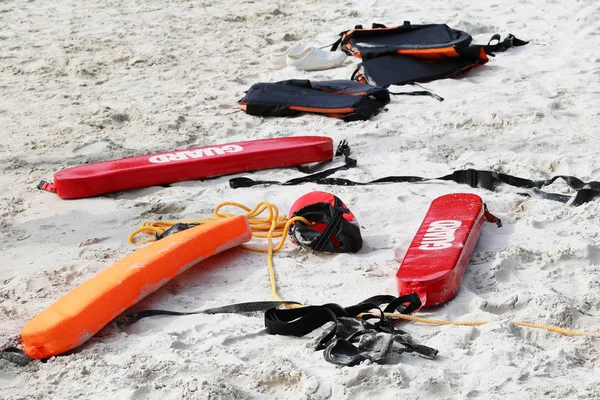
[[83, 311]]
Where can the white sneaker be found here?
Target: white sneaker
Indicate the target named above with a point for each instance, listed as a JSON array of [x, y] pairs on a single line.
[[278, 59], [314, 59]]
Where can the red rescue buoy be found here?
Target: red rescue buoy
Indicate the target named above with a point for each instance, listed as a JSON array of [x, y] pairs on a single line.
[[437, 258], [197, 163]]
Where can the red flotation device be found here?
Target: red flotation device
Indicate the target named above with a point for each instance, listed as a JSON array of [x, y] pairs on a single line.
[[438, 255], [336, 229], [197, 163]]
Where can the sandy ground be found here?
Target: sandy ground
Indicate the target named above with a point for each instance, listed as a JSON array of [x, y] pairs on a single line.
[[83, 82]]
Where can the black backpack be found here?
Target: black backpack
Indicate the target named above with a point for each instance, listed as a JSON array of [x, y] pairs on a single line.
[[345, 99], [409, 53]]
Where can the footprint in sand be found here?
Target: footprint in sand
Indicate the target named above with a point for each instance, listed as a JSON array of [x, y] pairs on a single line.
[[499, 306], [163, 208], [179, 345], [106, 117], [590, 14], [376, 242], [593, 254], [93, 147], [141, 393]]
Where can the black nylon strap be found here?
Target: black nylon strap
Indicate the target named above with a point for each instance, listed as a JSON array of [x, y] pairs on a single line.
[[300, 321], [343, 352], [347, 234], [174, 229], [503, 45], [419, 93], [399, 304], [333, 225], [15, 356], [303, 320], [236, 183], [351, 340], [393, 304], [490, 180], [238, 308], [336, 44]]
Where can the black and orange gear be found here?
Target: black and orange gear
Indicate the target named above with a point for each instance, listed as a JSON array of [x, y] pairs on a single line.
[[410, 53], [348, 100]]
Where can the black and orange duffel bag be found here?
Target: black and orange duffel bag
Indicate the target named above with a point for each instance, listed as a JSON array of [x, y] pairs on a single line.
[[405, 54], [345, 99]]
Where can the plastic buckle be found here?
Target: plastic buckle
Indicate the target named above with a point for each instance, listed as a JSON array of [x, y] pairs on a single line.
[[471, 177], [47, 186]]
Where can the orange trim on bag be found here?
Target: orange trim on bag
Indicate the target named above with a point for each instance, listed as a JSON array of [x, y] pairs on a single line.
[[354, 52], [337, 115], [441, 53], [482, 56], [467, 67], [332, 112], [431, 54]]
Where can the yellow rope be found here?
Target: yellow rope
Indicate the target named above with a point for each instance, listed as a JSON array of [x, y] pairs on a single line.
[[269, 227], [555, 329], [431, 321], [277, 226]]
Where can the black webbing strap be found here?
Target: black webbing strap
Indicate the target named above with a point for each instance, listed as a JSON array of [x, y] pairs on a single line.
[[357, 75], [333, 225], [352, 339], [343, 149], [15, 356], [174, 229], [337, 43], [300, 321], [419, 93], [502, 45], [489, 180], [239, 308]]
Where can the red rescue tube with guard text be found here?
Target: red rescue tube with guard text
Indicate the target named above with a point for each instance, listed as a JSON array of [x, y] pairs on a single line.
[[197, 163], [437, 258]]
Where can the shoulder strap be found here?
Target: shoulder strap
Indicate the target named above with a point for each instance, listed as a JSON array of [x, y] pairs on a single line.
[[419, 93], [375, 25], [502, 45]]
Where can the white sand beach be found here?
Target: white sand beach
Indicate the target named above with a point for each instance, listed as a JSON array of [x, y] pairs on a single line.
[[83, 82]]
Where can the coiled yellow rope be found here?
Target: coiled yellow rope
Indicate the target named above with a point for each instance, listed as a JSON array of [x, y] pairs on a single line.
[[269, 227], [277, 226]]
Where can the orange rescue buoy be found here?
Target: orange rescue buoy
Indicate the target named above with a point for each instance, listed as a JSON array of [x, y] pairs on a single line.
[[82, 312]]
